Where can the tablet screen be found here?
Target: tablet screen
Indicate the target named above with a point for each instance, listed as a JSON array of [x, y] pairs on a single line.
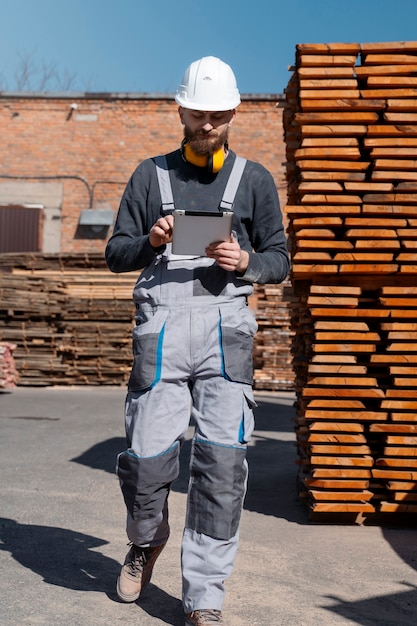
[[194, 231]]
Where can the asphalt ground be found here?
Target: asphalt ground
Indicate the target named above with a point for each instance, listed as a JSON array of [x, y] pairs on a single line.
[[62, 536]]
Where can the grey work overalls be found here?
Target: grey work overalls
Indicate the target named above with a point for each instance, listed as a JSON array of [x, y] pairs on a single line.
[[192, 349]]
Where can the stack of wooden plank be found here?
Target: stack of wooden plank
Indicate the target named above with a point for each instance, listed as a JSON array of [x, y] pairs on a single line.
[[71, 320], [350, 128]]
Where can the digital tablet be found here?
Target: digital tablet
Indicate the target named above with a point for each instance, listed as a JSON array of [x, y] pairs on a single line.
[[194, 230]]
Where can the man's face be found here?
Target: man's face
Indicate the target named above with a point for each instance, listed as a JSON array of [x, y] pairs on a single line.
[[206, 131]]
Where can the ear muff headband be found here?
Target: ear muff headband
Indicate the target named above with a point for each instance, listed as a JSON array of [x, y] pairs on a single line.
[[214, 163]]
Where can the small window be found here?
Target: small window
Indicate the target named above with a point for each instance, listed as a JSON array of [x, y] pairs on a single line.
[[20, 229]]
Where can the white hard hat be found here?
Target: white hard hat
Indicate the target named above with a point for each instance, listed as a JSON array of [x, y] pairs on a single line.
[[208, 84]]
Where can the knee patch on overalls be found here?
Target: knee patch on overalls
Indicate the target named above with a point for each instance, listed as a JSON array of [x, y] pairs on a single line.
[[145, 481], [217, 489]]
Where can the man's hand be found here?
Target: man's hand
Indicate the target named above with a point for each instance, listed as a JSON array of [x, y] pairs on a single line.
[[161, 232], [229, 255]]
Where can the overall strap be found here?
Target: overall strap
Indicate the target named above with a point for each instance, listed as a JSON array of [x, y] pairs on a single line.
[[164, 182], [229, 194], [232, 184]]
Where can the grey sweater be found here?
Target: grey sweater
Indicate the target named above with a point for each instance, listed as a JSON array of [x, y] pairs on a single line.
[[257, 218]]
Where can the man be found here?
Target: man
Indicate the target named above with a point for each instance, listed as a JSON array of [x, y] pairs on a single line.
[[192, 344]]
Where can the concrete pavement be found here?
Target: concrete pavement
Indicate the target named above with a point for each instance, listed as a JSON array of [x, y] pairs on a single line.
[[62, 529]]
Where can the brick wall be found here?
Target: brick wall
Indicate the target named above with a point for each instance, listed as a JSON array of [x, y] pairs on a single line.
[[90, 144]]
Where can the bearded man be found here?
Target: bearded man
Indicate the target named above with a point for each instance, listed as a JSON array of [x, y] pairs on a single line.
[[192, 343]]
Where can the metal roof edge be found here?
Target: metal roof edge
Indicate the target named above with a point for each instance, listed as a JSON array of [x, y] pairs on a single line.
[[107, 95]]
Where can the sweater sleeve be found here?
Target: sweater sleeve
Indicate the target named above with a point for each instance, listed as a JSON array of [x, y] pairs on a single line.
[[263, 237], [128, 249]]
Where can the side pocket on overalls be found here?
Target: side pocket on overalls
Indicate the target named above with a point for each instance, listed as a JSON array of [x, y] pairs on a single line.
[[147, 346], [237, 330]]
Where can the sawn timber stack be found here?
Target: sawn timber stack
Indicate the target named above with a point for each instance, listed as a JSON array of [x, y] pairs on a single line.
[[350, 126], [70, 322]]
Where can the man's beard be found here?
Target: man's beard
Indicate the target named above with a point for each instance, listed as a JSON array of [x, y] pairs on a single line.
[[205, 144]]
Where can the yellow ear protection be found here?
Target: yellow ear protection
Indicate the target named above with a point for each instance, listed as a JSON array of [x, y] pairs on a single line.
[[214, 162]]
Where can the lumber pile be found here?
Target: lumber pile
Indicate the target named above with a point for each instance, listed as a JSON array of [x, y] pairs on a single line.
[[350, 126], [71, 319]]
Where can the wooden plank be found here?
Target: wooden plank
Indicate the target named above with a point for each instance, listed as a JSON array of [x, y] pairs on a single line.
[[397, 81], [326, 60], [400, 118], [397, 485], [344, 461], [315, 233], [323, 186], [382, 209], [345, 484], [369, 186], [390, 151], [327, 244], [393, 358], [337, 95], [382, 222], [352, 415], [329, 48], [400, 104], [338, 380], [337, 117], [390, 130], [344, 496], [321, 368], [406, 496], [339, 449], [329, 152], [370, 142], [311, 256], [326, 72], [336, 165], [336, 289], [381, 93], [340, 473], [395, 164], [329, 209], [329, 175], [333, 392], [329, 83], [408, 463], [343, 507], [340, 313], [360, 257], [403, 440], [389, 58], [341, 438], [336, 427], [333, 130], [309, 142], [396, 507], [393, 428], [390, 46], [332, 199], [299, 223], [333, 358], [364, 71], [332, 300], [343, 102]]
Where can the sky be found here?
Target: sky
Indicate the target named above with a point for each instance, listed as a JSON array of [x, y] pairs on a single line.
[[144, 46]]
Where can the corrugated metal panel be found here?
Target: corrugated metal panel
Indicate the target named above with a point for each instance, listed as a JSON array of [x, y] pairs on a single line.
[[20, 229]]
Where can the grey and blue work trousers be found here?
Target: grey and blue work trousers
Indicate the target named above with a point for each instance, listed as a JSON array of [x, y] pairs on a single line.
[[192, 359]]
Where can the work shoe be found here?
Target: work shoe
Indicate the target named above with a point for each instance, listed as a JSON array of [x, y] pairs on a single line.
[[136, 571], [204, 617]]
